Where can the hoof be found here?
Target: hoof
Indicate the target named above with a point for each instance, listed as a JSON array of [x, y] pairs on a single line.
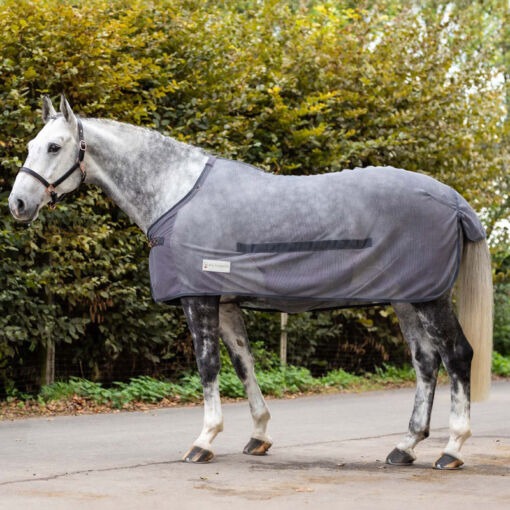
[[448, 462], [198, 455], [399, 458], [256, 447]]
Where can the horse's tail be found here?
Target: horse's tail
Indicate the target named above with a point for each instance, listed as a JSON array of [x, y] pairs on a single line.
[[474, 306]]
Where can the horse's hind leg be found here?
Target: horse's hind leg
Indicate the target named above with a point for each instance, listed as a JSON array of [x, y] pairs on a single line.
[[441, 324], [235, 338], [426, 361], [440, 334], [202, 314]]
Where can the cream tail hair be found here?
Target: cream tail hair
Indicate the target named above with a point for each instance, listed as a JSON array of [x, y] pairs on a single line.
[[475, 312]]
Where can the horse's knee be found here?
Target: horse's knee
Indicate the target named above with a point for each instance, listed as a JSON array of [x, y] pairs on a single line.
[[209, 368]]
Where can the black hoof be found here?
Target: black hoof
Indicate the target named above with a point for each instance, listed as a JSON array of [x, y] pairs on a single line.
[[198, 455], [448, 462], [256, 447], [399, 458]]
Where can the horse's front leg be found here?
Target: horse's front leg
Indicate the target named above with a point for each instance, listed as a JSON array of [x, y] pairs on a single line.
[[235, 338], [202, 314]]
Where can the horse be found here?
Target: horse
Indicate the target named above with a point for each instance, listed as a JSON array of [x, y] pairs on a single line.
[[155, 180]]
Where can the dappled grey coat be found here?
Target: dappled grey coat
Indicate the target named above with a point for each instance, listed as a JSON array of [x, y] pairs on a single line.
[[296, 243]]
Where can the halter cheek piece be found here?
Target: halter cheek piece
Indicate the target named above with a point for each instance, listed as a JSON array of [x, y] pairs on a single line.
[[50, 186]]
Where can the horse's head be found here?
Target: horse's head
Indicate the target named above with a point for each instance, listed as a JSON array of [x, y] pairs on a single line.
[[50, 170]]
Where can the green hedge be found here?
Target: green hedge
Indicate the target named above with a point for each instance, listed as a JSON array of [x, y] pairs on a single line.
[[295, 87]]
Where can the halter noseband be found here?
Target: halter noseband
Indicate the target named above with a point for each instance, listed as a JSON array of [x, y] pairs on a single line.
[[50, 186]]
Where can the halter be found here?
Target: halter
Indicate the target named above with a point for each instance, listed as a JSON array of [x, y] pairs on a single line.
[[51, 186]]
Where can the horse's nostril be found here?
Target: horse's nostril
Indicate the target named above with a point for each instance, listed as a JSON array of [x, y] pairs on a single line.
[[20, 205]]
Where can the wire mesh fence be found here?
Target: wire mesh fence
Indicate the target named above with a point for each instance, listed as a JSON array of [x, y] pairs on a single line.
[[320, 342]]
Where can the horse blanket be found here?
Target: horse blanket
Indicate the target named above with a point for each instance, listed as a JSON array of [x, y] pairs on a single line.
[[294, 243]]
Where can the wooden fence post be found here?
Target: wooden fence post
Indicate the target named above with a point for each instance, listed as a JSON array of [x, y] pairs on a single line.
[[283, 338], [48, 363], [48, 354]]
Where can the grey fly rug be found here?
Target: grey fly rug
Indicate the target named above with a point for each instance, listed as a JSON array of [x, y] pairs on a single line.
[[362, 236]]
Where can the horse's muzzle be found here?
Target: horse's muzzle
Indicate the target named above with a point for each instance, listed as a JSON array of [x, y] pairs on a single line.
[[21, 210]]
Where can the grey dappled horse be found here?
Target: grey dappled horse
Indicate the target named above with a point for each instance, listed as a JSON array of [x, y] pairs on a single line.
[[148, 174]]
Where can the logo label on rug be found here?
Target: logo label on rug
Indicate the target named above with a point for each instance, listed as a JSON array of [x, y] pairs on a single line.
[[216, 266]]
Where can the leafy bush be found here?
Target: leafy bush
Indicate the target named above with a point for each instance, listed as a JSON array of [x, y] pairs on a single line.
[[138, 389], [500, 364], [296, 90], [340, 379], [391, 374], [75, 386], [502, 318]]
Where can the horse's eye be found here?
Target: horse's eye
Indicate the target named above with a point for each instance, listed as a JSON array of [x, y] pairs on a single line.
[[53, 147]]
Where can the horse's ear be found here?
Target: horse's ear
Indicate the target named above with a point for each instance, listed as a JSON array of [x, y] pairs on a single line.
[[47, 109], [67, 111]]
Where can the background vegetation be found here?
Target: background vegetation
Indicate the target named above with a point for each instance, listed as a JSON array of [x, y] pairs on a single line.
[[297, 87]]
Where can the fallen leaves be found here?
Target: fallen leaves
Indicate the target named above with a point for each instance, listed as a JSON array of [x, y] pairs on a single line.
[[75, 405]]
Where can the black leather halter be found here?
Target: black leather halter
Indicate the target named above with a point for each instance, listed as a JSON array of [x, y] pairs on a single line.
[[50, 186]]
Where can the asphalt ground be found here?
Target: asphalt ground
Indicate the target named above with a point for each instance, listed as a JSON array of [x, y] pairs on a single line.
[[328, 452]]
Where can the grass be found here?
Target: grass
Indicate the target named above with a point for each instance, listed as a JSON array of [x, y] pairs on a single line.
[[83, 396]]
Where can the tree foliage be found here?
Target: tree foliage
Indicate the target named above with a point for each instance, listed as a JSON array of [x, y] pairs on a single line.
[[297, 87]]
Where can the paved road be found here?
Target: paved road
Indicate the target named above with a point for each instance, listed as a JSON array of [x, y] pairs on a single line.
[[328, 453]]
